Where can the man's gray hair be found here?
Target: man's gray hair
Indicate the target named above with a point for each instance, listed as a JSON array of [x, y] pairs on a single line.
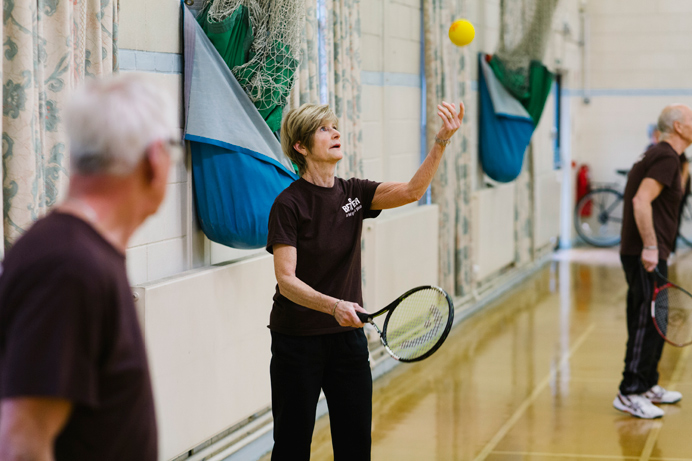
[[670, 115], [111, 122]]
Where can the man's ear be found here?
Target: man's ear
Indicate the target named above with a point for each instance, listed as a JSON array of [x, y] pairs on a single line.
[[155, 161], [677, 127]]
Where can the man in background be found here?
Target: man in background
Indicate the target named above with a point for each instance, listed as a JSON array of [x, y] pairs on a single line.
[[74, 378], [654, 135], [649, 229]]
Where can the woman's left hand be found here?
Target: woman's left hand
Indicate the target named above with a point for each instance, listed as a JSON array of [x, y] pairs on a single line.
[[451, 119], [345, 314]]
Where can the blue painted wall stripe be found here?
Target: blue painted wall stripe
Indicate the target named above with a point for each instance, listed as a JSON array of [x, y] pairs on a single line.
[[628, 92], [171, 63], [613, 92], [390, 79], [150, 61]]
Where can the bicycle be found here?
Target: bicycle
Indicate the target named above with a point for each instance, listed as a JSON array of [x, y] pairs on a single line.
[[598, 216]]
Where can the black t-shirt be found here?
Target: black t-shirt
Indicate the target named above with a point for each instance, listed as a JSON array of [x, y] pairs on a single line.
[[324, 225], [661, 163], [69, 329]]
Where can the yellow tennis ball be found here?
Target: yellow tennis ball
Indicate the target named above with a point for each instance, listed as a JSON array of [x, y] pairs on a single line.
[[461, 32]]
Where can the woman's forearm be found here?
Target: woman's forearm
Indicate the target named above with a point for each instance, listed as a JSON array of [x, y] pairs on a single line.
[[396, 194], [304, 295], [421, 180]]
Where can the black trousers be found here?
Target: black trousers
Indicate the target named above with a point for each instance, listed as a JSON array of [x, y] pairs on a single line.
[[301, 366], [644, 344]]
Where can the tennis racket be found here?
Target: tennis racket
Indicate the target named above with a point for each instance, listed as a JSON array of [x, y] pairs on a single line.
[[417, 323], [671, 311]]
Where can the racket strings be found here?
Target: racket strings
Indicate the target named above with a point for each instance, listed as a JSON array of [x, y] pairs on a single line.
[[416, 325], [673, 315]]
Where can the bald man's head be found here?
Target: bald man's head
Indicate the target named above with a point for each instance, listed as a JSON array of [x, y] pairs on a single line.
[[674, 113], [675, 125]]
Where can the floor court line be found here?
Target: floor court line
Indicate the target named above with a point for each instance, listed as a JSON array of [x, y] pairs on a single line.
[[594, 380], [580, 456], [656, 429], [530, 399], [670, 459], [651, 441], [563, 455]]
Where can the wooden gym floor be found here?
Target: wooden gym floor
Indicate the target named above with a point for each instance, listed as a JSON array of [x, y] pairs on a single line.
[[532, 378]]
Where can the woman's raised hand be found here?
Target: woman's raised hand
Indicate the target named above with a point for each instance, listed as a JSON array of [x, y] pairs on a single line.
[[451, 119]]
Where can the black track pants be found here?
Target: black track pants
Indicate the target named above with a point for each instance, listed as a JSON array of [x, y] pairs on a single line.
[[301, 366], [644, 344]]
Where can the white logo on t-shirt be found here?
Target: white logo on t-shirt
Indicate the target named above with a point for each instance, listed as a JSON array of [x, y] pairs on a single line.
[[351, 207]]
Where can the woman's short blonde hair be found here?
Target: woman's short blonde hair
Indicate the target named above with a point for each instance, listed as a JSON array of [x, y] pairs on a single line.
[[300, 126]]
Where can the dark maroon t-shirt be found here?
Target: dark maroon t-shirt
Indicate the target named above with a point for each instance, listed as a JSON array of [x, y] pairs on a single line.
[[662, 163], [324, 225], [69, 329]]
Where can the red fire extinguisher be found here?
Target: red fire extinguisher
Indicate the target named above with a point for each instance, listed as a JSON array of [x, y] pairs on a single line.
[[583, 188]]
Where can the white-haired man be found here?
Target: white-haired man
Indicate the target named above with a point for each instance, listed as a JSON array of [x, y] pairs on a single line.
[[74, 378], [649, 229]]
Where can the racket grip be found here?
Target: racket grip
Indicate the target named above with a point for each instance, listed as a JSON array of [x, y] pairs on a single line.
[[363, 317]]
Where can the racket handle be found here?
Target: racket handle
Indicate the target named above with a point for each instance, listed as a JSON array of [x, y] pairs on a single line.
[[363, 317]]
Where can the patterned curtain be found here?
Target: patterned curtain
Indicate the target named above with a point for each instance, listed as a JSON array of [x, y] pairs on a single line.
[[446, 79], [341, 60], [306, 87], [50, 46], [523, 212]]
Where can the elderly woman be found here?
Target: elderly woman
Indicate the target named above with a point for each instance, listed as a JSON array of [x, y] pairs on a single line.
[[314, 233]]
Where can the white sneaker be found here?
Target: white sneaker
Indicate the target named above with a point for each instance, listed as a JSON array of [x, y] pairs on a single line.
[[657, 394], [637, 405]]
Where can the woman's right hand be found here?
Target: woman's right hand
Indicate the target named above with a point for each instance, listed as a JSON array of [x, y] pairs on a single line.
[[451, 119], [345, 314]]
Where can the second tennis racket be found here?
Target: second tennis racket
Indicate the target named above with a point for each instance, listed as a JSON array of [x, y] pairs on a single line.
[[671, 311]]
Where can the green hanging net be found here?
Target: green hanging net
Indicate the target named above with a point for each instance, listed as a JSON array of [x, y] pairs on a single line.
[[260, 42], [524, 32]]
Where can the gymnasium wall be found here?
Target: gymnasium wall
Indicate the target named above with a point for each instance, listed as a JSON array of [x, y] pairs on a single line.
[[149, 42], [391, 78], [640, 60]]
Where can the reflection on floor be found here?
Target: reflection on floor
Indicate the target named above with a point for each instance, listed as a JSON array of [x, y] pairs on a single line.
[[531, 378]]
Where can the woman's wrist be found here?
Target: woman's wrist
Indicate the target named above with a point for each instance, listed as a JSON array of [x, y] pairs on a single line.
[[334, 308], [441, 141], [651, 247]]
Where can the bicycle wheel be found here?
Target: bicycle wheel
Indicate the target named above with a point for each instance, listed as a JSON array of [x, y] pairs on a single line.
[[598, 217], [685, 227]]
